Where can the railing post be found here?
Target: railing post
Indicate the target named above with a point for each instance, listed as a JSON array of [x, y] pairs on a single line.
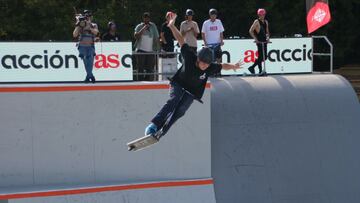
[[331, 54], [312, 54]]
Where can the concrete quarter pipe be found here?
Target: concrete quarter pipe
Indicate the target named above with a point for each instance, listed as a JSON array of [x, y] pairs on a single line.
[[285, 139]]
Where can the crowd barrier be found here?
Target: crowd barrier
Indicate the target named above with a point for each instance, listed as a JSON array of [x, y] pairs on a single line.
[[115, 61]]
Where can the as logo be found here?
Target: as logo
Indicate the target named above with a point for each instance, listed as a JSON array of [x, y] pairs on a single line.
[[250, 56], [104, 61]]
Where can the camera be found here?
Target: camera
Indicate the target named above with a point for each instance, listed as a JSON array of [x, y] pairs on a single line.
[[81, 21]]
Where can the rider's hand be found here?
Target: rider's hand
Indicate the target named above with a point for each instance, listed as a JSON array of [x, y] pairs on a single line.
[[238, 65], [172, 20]]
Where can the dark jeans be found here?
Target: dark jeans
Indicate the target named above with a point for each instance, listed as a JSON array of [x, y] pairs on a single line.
[[87, 55], [262, 52], [216, 51], [175, 107], [217, 56], [145, 64]]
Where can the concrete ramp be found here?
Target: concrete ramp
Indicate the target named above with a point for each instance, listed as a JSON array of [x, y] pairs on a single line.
[[285, 139], [276, 139], [57, 137]]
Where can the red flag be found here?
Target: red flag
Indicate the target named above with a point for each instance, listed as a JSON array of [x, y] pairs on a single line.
[[318, 14]]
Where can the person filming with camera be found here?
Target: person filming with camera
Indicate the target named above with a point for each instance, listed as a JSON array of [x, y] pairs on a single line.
[[86, 31]]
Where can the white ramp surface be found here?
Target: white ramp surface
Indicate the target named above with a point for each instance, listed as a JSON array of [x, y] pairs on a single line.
[[285, 139], [276, 139], [68, 135]]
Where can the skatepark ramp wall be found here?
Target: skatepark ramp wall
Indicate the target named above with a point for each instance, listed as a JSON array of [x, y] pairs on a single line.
[[67, 143], [285, 139]]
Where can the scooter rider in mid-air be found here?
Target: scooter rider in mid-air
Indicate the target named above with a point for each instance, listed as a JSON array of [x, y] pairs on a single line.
[[187, 84]]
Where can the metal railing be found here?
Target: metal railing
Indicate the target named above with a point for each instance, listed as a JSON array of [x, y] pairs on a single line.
[[329, 54], [158, 72]]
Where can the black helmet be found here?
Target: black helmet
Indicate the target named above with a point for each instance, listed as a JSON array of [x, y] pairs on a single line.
[[111, 23], [189, 12], [87, 13], [213, 11], [205, 55]]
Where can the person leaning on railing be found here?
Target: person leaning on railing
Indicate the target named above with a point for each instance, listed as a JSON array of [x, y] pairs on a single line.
[[86, 31], [147, 41]]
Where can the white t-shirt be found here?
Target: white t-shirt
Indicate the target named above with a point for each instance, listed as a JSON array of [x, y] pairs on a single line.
[[146, 43], [212, 31]]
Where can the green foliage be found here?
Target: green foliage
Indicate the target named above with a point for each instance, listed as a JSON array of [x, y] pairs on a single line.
[[44, 20]]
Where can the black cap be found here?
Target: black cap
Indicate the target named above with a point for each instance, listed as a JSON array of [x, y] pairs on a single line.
[[189, 12], [146, 15], [213, 11], [205, 55]]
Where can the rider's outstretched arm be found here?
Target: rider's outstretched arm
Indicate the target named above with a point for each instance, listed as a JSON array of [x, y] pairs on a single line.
[[175, 31], [228, 66]]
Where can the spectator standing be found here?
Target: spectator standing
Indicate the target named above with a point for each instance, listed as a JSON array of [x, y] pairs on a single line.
[[111, 35], [213, 34], [147, 42], [260, 32], [190, 30], [86, 31]]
